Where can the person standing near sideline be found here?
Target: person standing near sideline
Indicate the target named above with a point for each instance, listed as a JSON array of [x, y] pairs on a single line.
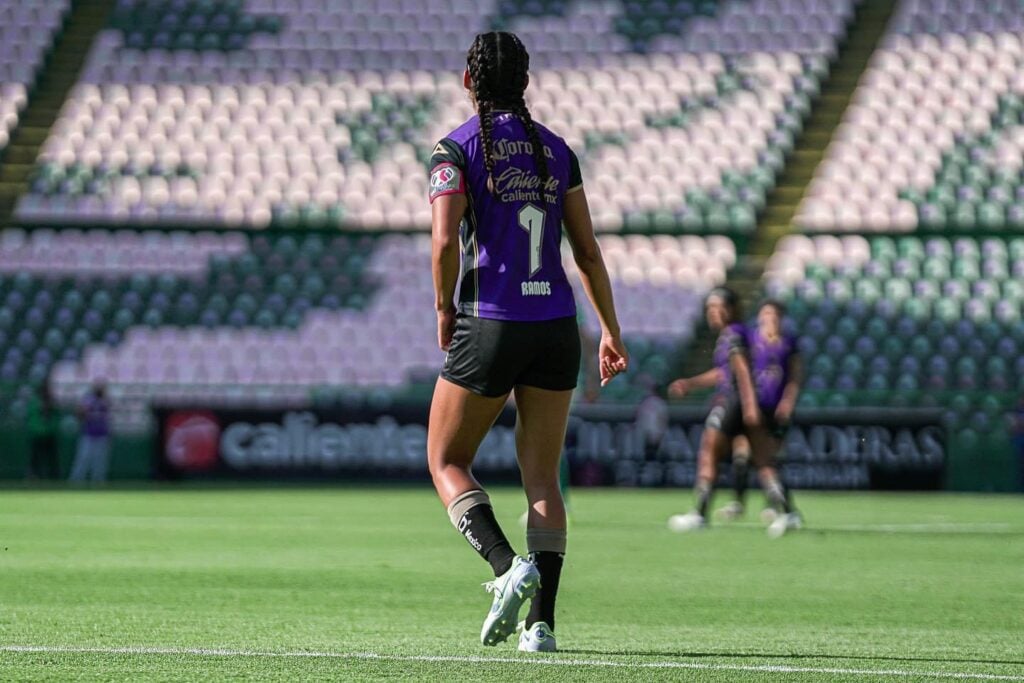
[[41, 423], [501, 189], [1017, 437], [92, 457]]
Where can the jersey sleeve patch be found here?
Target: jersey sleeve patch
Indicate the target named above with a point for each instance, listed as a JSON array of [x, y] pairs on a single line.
[[445, 179]]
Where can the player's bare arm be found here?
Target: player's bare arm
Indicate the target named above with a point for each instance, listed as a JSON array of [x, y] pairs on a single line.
[[612, 354], [791, 393], [684, 385], [745, 385], [446, 214]]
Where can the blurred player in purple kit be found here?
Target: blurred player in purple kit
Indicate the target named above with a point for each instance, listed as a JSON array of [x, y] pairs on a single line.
[[756, 379]]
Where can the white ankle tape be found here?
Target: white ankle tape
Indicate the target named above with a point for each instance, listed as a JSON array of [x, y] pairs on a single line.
[[465, 502], [545, 540]]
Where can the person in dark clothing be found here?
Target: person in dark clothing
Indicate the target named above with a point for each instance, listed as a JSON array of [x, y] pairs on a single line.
[[42, 422]]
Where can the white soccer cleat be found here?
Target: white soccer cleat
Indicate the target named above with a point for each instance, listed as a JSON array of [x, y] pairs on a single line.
[[691, 521], [785, 523], [511, 590], [537, 638], [730, 512]]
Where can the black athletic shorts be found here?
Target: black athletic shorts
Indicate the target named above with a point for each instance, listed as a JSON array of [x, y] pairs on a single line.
[[490, 357], [727, 416]]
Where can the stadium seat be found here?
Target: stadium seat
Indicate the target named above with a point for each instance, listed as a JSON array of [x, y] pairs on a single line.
[[933, 138], [170, 315], [948, 322], [292, 114], [27, 31]]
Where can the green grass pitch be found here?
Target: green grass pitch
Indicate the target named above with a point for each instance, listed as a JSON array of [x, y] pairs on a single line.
[[348, 583]]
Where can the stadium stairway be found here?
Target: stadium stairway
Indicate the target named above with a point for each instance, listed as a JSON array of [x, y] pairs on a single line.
[[866, 31], [87, 18]]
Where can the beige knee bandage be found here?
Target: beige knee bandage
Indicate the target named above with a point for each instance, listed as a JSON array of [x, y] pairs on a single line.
[[464, 502], [545, 541]]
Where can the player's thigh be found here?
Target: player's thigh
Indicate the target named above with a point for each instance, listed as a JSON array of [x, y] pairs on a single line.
[[542, 416], [766, 453], [459, 421], [721, 429], [714, 445]]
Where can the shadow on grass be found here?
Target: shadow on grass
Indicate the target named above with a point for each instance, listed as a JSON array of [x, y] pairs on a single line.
[[759, 655]]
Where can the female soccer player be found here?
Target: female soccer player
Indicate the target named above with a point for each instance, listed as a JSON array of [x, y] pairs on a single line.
[[775, 361], [773, 370], [502, 186], [735, 411]]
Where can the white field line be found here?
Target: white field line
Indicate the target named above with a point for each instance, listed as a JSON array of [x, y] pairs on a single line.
[[921, 528], [530, 661], [929, 527]]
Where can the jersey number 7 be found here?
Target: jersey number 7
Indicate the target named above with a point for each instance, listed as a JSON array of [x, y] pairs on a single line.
[[531, 219]]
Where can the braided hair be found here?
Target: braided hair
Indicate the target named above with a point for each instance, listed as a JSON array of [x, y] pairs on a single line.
[[498, 64]]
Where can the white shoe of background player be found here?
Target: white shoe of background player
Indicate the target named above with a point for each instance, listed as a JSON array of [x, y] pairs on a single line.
[[730, 512], [784, 523], [691, 521]]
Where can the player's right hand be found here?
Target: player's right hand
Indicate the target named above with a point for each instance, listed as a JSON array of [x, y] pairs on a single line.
[[679, 388], [613, 358], [445, 328]]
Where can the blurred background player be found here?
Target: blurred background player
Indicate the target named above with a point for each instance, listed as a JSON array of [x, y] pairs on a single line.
[[652, 421], [92, 455], [1017, 437], [736, 410], [739, 448], [776, 373], [776, 367], [41, 421], [513, 327], [733, 402]]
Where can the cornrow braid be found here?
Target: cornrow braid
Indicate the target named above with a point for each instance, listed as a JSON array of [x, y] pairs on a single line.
[[481, 66], [499, 77], [523, 112]]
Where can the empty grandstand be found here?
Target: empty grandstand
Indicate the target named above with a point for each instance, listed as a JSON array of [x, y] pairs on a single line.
[[229, 208]]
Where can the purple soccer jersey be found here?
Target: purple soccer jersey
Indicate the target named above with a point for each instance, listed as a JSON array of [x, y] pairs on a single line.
[[511, 238], [732, 339], [769, 363]]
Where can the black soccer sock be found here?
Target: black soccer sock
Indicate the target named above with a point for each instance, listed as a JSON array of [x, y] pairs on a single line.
[[547, 552], [740, 477], [775, 494], [473, 517], [703, 491], [787, 494], [542, 608]]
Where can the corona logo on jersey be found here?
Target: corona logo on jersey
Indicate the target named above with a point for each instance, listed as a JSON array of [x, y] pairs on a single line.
[[504, 149], [192, 440]]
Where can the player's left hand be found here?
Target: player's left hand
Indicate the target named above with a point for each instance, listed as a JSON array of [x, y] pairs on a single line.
[[445, 328], [613, 358], [784, 413]]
